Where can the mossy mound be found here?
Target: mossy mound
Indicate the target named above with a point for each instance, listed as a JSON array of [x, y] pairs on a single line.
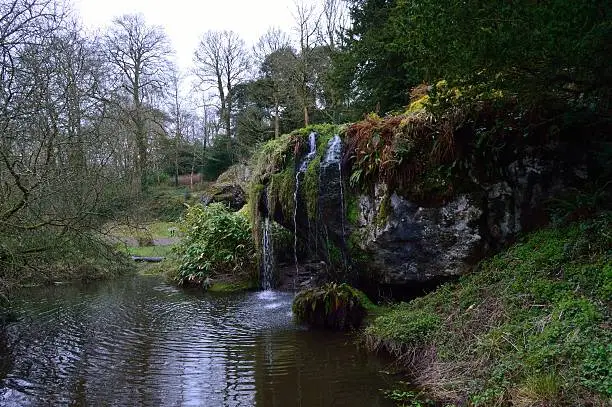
[[332, 306], [530, 327]]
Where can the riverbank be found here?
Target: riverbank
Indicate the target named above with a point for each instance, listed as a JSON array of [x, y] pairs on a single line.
[[529, 327]]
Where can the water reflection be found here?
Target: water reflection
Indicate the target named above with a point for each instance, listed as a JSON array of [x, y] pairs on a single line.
[[138, 341]]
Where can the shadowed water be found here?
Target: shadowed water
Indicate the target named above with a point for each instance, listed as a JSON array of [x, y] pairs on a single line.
[[140, 342]]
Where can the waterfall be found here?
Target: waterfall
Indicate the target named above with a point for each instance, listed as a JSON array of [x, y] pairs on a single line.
[[334, 150], [333, 156], [312, 139], [267, 275]]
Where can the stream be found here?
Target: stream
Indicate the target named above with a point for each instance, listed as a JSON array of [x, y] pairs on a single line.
[[138, 341]]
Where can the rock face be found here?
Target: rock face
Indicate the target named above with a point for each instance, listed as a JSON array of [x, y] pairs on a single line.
[[393, 239], [406, 242], [413, 243], [331, 195]]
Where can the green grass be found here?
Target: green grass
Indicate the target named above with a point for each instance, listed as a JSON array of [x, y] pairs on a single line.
[[146, 233], [531, 326], [148, 251], [155, 230]]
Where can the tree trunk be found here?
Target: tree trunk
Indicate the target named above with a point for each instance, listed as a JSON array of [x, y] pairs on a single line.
[[276, 118]]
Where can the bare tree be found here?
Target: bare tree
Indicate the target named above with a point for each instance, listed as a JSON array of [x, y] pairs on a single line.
[[307, 19], [334, 19], [57, 162], [140, 53], [222, 62], [273, 40], [24, 25], [177, 117]]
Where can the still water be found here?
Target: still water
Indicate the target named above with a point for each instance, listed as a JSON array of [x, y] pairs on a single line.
[[138, 341]]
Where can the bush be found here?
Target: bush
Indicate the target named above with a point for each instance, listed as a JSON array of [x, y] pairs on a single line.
[[334, 306], [215, 241]]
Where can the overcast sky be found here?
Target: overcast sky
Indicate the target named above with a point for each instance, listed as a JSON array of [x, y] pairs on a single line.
[[186, 20]]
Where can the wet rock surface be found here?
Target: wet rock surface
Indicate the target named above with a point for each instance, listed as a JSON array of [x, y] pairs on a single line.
[[407, 242], [414, 243]]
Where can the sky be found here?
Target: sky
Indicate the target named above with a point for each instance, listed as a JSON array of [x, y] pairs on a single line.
[[184, 21]]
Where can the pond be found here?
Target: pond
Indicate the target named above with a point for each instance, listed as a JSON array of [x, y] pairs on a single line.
[[138, 341]]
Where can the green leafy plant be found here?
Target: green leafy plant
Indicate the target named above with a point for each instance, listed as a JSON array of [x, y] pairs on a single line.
[[333, 306], [407, 398], [215, 241]]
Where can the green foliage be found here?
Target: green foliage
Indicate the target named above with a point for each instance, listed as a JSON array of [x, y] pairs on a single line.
[[165, 203], [407, 398], [332, 306], [596, 368], [528, 327], [218, 157], [215, 241], [534, 50], [372, 71]]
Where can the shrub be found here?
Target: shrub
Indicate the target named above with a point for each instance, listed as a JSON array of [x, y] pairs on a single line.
[[334, 306], [215, 241]]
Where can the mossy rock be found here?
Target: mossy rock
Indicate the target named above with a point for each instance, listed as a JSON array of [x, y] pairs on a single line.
[[332, 306]]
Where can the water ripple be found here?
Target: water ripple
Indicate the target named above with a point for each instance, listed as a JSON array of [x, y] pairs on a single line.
[[139, 341]]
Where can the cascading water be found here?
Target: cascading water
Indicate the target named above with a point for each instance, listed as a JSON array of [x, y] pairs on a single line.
[[312, 139], [333, 156], [267, 274]]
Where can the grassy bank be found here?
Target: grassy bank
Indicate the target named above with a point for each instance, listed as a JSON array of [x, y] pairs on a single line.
[[530, 327]]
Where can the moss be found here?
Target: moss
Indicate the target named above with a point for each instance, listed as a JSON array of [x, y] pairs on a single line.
[[355, 252], [366, 301], [352, 210], [255, 192], [271, 157], [334, 254], [311, 187], [384, 210], [529, 316], [281, 189]]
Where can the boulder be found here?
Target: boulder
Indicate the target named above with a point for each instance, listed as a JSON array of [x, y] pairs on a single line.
[[407, 242], [229, 188]]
